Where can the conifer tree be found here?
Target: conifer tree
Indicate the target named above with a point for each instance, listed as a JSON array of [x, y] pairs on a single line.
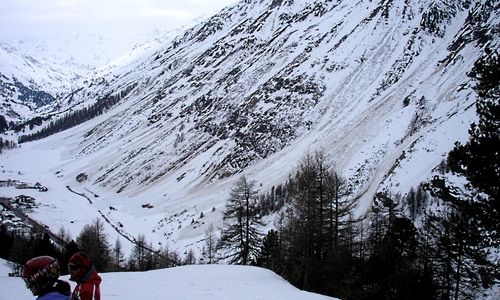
[[270, 253], [317, 231], [93, 240], [240, 237], [395, 268], [479, 158]]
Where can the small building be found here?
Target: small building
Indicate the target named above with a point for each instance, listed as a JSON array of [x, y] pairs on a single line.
[[23, 199], [6, 183], [40, 187], [23, 186]]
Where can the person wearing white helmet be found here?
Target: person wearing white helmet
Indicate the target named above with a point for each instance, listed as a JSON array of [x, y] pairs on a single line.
[[41, 275]]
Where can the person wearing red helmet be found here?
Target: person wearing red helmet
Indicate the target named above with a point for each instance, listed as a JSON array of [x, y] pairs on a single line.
[[84, 274], [41, 275]]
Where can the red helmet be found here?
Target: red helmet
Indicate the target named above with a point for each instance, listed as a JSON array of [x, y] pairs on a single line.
[[40, 271]]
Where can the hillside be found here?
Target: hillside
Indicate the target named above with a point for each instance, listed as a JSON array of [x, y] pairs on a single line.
[[381, 87]]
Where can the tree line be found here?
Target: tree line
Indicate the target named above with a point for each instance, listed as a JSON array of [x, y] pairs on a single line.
[[7, 144], [319, 245], [72, 118], [19, 247]]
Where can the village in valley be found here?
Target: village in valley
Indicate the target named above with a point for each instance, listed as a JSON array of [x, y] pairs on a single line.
[[13, 213]]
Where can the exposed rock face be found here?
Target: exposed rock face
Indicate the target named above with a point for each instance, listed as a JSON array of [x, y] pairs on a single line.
[[363, 80]]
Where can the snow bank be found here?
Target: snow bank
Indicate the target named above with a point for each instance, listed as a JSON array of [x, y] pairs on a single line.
[[181, 283]]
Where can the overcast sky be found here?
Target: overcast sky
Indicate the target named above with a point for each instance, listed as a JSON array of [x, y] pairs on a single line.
[[33, 19]]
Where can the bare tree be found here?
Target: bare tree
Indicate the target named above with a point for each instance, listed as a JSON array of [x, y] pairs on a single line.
[[209, 250], [64, 235], [190, 258], [139, 253], [118, 255]]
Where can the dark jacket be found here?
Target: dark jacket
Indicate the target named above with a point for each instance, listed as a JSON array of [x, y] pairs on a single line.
[[60, 290]]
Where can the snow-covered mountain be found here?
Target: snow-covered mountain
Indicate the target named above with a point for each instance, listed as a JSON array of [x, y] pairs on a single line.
[[380, 86], [35, 73]]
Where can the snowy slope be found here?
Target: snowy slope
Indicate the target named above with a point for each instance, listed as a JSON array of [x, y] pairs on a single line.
[[189, 282], [381, 87], [59, 66]]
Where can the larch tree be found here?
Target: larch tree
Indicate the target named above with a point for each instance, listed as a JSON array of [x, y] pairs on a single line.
[[240, 236], [315, 231], [139, 255], [93, 240], [209, 250], [118, 255]]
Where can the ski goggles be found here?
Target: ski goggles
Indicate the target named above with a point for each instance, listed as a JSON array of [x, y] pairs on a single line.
[[29, 283]]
